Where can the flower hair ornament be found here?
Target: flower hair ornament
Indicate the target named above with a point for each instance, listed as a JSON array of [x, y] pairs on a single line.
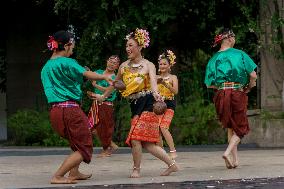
[[218, 38], [142, 37], [52, 44], [169, 55]]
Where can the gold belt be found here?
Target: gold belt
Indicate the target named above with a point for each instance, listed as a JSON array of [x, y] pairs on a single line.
[[137, 95]]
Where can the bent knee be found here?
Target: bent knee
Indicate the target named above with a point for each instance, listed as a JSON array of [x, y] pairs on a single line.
[[135, 143]]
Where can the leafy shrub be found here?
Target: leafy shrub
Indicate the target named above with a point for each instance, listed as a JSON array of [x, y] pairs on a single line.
[[193, 123], [122, 120], [196, 123], [29, 127]]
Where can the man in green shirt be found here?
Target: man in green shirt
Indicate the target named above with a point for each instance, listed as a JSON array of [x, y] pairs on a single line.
[[62, 78], [231, 73], [101, 114]]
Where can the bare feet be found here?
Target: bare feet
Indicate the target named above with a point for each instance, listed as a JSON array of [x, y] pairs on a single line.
[[235, 160], [173, 154], [62, 180], [135, 173], [235, 164], [172, 168], [80, 176], [104, 153], [228, 162], [113, 146]]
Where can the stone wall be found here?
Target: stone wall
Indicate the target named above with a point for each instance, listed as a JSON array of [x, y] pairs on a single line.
[[272, 68], [265, 132]]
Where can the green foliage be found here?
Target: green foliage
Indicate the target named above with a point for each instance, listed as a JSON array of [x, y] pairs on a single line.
[[196, 123], [29, 127], [103, 25], [122, 125], [267, 115], [271, 27]]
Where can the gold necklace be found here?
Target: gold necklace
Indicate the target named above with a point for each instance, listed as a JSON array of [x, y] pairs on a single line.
[[165, 77], [136, 65]]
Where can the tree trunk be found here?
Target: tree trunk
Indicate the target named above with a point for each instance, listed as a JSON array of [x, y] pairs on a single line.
[[283, 97], [272, 68]]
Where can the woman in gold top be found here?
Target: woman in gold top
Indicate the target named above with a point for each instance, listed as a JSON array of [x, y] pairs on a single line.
[[139, 76], [168, 88]]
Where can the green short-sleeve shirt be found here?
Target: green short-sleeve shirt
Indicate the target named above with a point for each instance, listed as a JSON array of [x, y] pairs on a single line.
[[62, 78], [104, 83], [231, 65]]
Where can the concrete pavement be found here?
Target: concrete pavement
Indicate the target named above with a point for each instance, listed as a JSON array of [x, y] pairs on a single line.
[[33, 167]]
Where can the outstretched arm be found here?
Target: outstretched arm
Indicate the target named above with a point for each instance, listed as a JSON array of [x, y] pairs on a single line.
[[109, 89], [94, 83], [94, 76]]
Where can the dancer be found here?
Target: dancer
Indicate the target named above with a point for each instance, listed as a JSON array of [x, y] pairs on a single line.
[[62, 78], [101, 115], [139, 76], [231, 73], [168, 88]]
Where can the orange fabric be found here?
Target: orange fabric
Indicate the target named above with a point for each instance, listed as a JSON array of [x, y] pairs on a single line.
[[231, 108], [93, 117], [144, 128], [166, 119]]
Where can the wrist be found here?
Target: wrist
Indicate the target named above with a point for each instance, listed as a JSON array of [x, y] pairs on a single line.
[[103, 96], [156, 93], [251, 85]]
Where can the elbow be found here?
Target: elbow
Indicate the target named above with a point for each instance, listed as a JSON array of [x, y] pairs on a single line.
[[253, 75]]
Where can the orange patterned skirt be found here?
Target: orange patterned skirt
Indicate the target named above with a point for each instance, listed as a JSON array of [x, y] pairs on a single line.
[[144, 128], [166, 118]]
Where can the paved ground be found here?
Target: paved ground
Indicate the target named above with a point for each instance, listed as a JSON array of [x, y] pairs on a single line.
[[200, 167]]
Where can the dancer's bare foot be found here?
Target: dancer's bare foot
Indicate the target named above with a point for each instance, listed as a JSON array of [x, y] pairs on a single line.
[[135, 173], [79, 176], [104, 153], [235, 160], [173, 154], [172, 168], [228, 162], [235, 164], [62, 180], [113, 146]]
